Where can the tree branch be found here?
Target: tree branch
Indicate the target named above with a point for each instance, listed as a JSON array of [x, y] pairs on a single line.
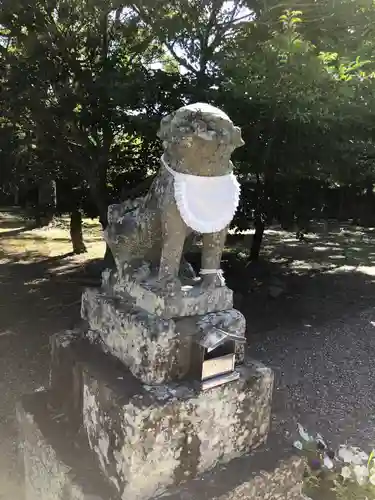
[[179, 59]]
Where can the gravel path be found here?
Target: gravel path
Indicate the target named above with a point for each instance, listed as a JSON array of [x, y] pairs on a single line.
[[325, 378]]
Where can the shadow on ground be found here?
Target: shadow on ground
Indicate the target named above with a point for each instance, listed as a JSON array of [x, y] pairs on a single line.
[[37, 299], [49, 290], [43, 291], [328, 275]]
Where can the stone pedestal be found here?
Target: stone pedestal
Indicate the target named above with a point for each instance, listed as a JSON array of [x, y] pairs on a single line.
[[59, 466], [189, 301], [167, 433], [123, 409], [148, 345], [57, 461], [155, 349], [172, 433]]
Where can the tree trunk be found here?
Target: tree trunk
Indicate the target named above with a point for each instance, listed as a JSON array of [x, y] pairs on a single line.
[[16, 196], [47, 202], [367, 204], [342, 203], [257, 238], [76, 232], [109, 261], [260, 219], [263, 194], [98, 195]]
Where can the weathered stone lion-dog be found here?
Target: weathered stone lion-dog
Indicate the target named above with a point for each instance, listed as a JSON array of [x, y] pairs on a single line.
[[194, 191]]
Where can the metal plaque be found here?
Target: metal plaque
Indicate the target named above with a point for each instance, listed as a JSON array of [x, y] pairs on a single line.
[[218, 366]]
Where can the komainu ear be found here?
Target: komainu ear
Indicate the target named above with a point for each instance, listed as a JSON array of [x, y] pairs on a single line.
[[237, 137], [165, 130]]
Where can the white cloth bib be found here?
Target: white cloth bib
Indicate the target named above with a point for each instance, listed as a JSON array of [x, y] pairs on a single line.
[[206, 204]]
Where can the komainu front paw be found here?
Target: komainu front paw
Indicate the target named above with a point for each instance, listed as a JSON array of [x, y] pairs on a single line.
[[168, 285], [213, 280]]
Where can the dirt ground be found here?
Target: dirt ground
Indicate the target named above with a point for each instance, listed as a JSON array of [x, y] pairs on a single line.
[[297, 285], [37, 298]]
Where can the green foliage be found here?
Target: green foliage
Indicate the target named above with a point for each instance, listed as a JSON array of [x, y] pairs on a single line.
[[77, 83], [84, 83]]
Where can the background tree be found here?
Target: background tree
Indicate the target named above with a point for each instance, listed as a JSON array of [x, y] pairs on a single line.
[[84, 84]]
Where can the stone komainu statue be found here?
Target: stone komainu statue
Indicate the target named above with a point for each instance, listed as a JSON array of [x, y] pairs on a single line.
[[195, 190]]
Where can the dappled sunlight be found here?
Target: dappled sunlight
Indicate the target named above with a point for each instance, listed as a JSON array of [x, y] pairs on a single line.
[[341, 270], [325, 275], [352, 247], [292, 243], [302, 265], [36, 244], [321, 248], [368, 270], [322, 251]]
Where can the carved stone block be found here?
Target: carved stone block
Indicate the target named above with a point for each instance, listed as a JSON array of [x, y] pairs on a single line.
[[156, 350], [59, 466], [172, 432], [148, 345], [189, 301]]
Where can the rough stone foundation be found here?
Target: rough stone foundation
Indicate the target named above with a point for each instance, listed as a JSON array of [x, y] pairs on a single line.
[[60, 467], [168, 433], [190, 301], [155, 349], [172, 433]]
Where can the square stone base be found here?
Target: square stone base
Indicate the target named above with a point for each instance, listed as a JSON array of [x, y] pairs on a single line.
[[173, 432], [148, 345], [189, 301], [156, 350], [167, 433], [271, 472], [59, 466]]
